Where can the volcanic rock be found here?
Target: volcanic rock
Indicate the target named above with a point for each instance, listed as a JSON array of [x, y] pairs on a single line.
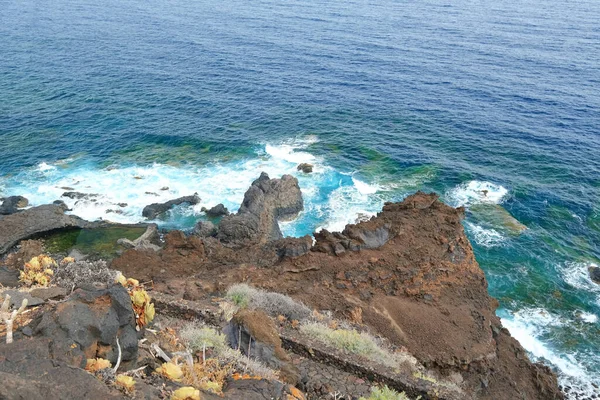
[[79, 195], [148, 240], [260, 340], [9, 278], [265, 202], [217, 211], [11, 204], [30, 369], [35, 221], [204, 229], [92, 320], [155, 209]]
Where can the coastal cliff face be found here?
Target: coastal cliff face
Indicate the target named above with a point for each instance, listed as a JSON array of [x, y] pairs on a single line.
[[410, 271]]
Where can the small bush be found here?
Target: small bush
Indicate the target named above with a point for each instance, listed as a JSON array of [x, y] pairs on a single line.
[[197, 337], [272, 303], [38, 271], [385, 393], [359, 343]]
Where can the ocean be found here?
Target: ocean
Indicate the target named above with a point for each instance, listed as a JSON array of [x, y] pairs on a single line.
[[495, 106]]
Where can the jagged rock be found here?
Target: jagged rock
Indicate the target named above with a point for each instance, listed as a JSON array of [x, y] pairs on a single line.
[[155, 209], [79, 195], [30, 369], [92, 320], [35, 221], [255, 325], [217, 211], [595, 274], [204, 229], [266, 202], [293, 247], [147, 241], [305, 167], [9, 278], [11, 204]]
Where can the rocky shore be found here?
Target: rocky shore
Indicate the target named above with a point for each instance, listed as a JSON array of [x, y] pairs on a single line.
[[395, 303]]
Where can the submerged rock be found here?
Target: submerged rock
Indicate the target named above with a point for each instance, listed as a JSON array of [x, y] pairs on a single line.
[[79, 195], [266, 202], [11, 204], [148, 240], [595, 274], [305, 167], [36, 221], [155, 209]]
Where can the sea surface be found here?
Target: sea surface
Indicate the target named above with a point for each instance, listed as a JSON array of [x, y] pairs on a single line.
[[494, 105]]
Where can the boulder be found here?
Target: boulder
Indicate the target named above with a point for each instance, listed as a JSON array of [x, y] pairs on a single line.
[[217, 211], [204, 229], [11, 204], [17, 297], [266, 346], [265, 202], [595, 274], [155, 209], [29, 369], [9, 278], [305, 167], [88, 324], [36, 221], [293, 247], [364, 235]]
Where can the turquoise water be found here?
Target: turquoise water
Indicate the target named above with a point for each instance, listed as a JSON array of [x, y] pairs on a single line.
[[384, 97]]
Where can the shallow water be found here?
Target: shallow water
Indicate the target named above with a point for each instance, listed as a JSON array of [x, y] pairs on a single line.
[[384, 97]]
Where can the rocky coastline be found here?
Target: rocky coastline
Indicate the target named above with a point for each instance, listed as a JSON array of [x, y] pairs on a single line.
[[397, 301]]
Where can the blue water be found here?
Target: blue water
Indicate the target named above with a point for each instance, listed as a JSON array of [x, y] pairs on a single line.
[[384, 97]]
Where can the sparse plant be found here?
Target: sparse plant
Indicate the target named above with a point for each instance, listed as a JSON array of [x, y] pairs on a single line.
[[274, 304], [140, 299], [8, 316], [359, 343], [385, 393], [171, 371], [186, 393], [96, 364], [126, 383]]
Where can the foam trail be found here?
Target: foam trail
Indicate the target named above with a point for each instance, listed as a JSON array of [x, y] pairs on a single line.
[[477, 192], [485, 237]]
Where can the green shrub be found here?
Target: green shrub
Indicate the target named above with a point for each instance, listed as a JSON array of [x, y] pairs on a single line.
[[385, 393]]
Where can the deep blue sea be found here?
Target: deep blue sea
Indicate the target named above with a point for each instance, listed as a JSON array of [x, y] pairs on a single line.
[[126, 98]]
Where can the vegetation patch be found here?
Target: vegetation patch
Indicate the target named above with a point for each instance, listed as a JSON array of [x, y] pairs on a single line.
[[274, 304], [385, 393]]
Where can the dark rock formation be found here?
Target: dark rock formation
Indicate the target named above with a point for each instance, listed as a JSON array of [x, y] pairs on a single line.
[[35, 221], [260, 339], [17, 297], [305, 167], [80, 196], [217, 211], [265, 202], [32, 370], [92, 320], [11, 204], [204, 229], [595, 274], [155, 209], [292, 247], [364, 235]]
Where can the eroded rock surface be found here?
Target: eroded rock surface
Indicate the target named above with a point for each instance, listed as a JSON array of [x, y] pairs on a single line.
[[35, 221], [12, 204], [155, 209], [266, 202]]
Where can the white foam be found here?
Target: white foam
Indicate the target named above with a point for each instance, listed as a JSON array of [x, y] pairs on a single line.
[[485, 237], [226, 183], [588, 317], [477, 192], [528, 326]]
